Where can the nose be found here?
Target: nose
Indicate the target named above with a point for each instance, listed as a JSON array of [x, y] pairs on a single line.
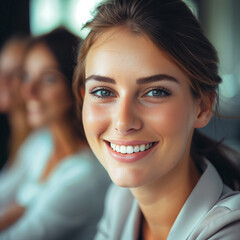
[[30, 90], [127, 119]]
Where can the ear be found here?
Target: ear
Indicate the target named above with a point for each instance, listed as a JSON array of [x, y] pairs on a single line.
[[204, 112]]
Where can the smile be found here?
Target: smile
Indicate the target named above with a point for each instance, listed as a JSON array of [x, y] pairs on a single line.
[[131, 149], [130, 152]]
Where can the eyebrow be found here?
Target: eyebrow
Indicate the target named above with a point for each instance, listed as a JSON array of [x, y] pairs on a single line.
[[139, 81], [156, 78], [100, 79]]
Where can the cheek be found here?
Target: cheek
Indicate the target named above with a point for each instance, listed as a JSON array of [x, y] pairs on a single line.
[[172, 119], [57, 97], [95, 119], [16, 85]]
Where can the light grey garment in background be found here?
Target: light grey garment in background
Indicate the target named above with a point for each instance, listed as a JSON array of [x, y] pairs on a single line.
[[212, 211], [67, 205]]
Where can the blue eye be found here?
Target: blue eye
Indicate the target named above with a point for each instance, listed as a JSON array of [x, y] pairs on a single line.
[[102, 93], [158, 92], [48, 79]]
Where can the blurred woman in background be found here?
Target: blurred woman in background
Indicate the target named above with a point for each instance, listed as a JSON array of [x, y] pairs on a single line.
[[61, 192], [11, 101]]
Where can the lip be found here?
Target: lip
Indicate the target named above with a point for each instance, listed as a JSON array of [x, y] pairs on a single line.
[[33, 107], [129, 158], [129, 143]]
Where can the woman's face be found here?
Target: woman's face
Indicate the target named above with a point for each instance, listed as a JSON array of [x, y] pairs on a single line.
[[138, 110], [45, 90], [10, 77]]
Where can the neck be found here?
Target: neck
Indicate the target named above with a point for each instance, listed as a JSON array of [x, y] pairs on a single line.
[[161, 202], [17, 119]]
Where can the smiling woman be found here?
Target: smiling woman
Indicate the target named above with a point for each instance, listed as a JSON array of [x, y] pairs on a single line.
[[146, 80]]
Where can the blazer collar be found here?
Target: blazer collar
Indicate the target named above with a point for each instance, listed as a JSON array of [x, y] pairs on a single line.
[[203, 197]]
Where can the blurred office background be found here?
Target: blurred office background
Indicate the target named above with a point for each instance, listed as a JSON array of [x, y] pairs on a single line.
[[220, 20]]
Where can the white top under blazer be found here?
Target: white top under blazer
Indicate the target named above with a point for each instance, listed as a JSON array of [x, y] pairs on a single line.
[[212, 211]]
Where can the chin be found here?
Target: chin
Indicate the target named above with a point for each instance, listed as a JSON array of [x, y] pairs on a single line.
[[126, 178], [35, 122]]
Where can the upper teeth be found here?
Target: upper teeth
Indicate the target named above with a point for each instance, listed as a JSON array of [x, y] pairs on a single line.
[[130, 149]]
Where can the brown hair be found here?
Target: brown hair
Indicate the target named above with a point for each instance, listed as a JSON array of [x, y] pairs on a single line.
[[171, 25]]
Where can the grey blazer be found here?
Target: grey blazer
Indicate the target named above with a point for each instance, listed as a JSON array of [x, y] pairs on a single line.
[[212, 211]]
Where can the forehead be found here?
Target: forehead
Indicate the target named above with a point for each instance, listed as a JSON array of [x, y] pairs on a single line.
[[11, 57], [39, 58], [120, 50]]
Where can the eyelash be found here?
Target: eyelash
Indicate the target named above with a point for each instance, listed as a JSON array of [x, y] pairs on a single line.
[[95, 90], [164, 92]]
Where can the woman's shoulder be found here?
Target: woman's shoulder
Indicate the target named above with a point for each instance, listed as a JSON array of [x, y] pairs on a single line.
[[36, 140], [37, 144], [82, 172], [82, 162], [229, 199], [222, 221]]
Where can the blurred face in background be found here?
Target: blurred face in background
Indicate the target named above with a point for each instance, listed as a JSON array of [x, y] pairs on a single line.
[[45, 90], [11, 59]]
